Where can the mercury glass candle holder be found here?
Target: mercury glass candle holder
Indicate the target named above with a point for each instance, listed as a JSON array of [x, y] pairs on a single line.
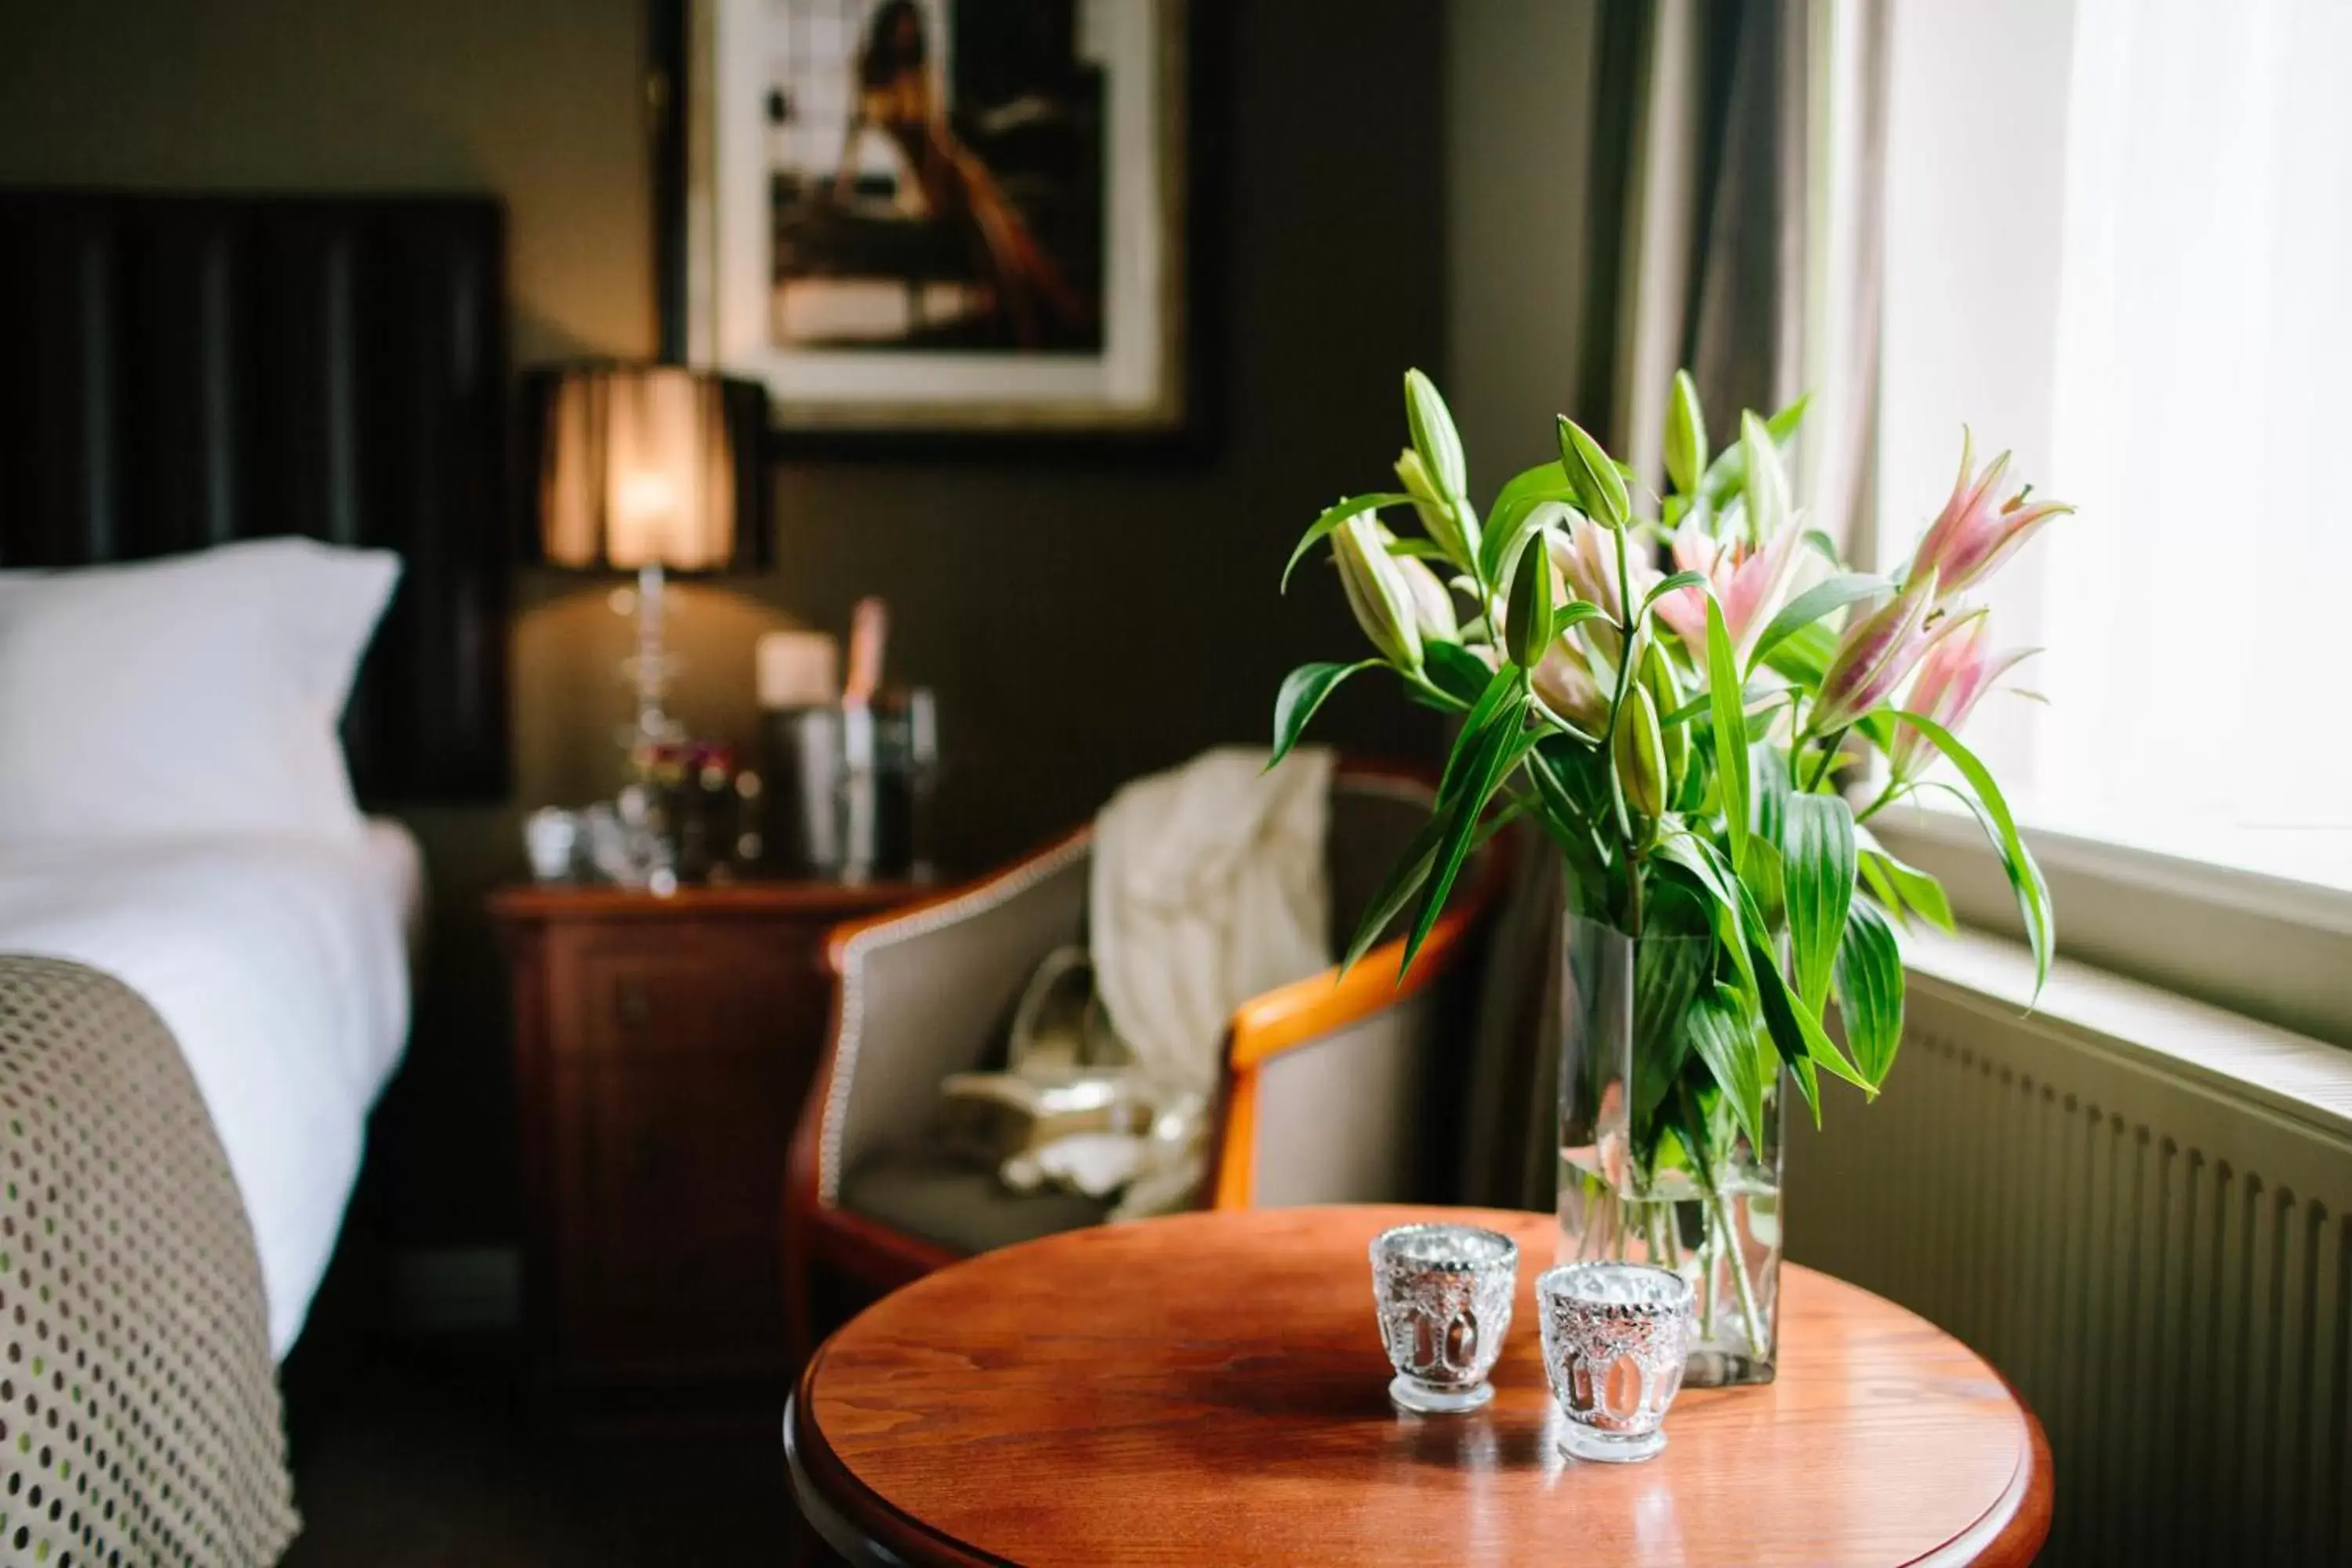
[[1444, 1295], [1614, 1337]]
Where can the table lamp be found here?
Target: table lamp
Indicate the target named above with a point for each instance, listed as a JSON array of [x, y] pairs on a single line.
[[649, 469]]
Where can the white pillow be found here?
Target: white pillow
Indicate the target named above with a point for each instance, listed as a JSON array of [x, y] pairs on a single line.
[[191, 694]]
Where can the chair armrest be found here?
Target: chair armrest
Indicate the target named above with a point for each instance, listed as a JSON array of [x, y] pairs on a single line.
[[919, 993]]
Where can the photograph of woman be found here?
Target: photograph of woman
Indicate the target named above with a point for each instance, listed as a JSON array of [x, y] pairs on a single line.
[[962, 205]]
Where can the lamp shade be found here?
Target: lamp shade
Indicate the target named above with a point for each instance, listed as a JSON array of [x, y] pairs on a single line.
[[648, 465]]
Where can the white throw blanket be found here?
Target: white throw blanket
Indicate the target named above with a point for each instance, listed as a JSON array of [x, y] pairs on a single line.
[[1208, 888]]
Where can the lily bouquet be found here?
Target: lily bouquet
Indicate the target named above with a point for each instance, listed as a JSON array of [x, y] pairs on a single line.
[[1684, 737]]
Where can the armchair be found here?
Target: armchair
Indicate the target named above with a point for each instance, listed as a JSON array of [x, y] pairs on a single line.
[[1333, 1085]]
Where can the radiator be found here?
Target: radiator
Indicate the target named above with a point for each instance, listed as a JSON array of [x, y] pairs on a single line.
[[2154, 1252]]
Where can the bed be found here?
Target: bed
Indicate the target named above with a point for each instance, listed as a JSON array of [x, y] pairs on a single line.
[[272, 430], [282, 967]]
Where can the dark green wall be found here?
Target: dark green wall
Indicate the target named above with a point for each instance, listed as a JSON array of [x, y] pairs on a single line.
[[1081, 625]]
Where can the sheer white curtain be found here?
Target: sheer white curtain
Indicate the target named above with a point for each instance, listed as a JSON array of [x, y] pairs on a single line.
[[2120, 241]]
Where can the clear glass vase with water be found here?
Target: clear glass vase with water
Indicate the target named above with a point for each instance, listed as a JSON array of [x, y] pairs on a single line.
[[1655, 1166]]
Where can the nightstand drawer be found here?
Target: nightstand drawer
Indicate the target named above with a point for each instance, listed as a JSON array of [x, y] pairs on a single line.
[[731, 992]]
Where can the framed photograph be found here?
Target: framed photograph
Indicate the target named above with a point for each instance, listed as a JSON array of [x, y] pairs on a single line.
[[955, 222]]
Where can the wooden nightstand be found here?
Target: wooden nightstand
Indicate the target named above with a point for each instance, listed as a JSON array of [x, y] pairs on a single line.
[[662, 1050]]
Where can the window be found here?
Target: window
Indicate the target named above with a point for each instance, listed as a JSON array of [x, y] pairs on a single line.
[[2119, 238]]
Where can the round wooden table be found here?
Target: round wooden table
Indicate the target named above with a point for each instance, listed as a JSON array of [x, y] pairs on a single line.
[[1211, 1388]]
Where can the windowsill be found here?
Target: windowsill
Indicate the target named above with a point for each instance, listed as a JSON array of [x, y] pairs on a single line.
[[2310, 904], [2263, 949], [2305, 1080]]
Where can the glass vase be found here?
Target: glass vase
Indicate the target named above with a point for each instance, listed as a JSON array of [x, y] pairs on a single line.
[[1653, 1167]]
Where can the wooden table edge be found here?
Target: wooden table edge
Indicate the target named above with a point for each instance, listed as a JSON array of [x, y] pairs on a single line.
[[855, 1521], [2016, 1527]]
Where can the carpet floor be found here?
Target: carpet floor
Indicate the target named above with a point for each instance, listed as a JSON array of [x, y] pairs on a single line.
[[435, 1458]]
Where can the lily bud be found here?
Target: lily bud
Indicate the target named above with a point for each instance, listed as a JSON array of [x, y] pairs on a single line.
[[1377, 591], [1685, 435], [1764, 493], [1876, 653], [1564, 682], [1441, 517], [1529, 616], [1641, 754], [1434, 435], [1432, 603], [1599, 485]]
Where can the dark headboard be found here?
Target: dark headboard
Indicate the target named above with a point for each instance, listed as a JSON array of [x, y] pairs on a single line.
[[179, 371]]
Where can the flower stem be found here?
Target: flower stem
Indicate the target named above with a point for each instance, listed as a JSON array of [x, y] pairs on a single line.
[[1626, 631], [1828, 756], [1886, 797], [1706, 1259], [1439, 692], [1719, 1207]]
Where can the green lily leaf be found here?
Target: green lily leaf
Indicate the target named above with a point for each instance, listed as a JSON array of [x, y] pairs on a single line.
[[1756, 699], [1333, 516], [1904, 888], [1817, 852], [1424, 549], [1303, 692], [2017, 862], [1505, 741], [1674, 583], [1804, 655], [1500, 688], [1455, 670], [1545, 481], [1667, 977], [1404, 880], [1811, 604], [1870, 991], [1721, 1032], [1767, 876], [1773, 788], [1797, 1033], [1573, 613], [1513, 524]]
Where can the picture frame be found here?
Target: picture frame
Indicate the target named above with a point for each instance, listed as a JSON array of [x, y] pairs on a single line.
[[929, 231]]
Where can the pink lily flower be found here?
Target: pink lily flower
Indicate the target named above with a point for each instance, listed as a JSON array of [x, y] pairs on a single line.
[[1567, 685], [1585, 557], [1974, 534], [1953, 675], [1879, 651], [1751, 582]]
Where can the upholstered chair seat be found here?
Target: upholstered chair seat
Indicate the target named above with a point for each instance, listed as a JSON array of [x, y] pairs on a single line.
[[1335, 1089]]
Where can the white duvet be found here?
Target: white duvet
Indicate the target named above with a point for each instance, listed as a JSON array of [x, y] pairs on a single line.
[[282, 965]]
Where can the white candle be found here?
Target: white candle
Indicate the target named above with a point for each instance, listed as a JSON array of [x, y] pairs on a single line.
[[797, 669]]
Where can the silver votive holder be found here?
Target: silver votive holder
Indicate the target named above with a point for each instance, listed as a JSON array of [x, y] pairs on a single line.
[[1444, 1295], [1614, 1336]]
